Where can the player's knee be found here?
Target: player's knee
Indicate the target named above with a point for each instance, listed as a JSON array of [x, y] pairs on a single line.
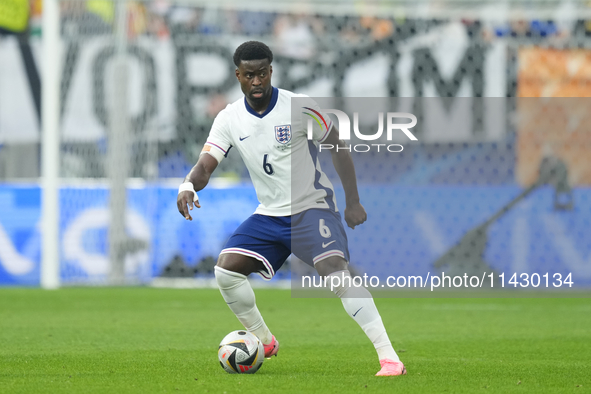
[[239, 263], [331, 264], [228, 279]]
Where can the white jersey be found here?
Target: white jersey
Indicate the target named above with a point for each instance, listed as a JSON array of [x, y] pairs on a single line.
[[282, 162]]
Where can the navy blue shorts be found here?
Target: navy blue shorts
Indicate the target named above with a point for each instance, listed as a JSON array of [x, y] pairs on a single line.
[[311, 235]]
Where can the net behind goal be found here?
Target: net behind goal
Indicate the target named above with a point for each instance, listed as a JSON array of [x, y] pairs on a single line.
[[138, 84]]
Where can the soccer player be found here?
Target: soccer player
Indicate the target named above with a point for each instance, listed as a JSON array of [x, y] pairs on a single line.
[[297, 211]]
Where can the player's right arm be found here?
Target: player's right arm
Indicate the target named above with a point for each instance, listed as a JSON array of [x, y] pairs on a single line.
[[199, 178], [215, 149]]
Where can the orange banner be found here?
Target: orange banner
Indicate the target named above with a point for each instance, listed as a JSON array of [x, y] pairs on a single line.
[[554, 112]]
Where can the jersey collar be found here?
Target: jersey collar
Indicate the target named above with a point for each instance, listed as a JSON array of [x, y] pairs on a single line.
[[272, 103]]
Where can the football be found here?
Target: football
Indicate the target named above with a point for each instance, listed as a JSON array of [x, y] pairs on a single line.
[[241, 352]]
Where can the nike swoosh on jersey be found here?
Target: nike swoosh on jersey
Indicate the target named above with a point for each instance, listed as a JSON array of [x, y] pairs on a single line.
[[243, 138], [325, 245]]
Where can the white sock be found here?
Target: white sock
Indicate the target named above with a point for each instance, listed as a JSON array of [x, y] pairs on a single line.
[[239, 296], [359, 304]]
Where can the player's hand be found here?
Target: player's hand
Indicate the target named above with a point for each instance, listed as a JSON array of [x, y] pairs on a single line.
[[355, 214], [184, 203]]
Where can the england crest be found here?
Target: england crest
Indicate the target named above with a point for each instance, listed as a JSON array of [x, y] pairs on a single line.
[[283, 134]]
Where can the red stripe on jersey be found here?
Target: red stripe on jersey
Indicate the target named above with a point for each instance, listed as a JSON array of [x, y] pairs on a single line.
[[217, 146]]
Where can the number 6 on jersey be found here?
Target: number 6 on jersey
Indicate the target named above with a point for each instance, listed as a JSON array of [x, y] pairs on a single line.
[[267, 166]]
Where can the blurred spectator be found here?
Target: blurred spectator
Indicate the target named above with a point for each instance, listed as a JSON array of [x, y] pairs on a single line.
[[184, 19], [197, 20], [378, 28], [365, 29], [78, 20], [156, 18], [252, 23], [211, 22], [294, 37], [137, 19], [521, 28], [35, 17], [582, 28]]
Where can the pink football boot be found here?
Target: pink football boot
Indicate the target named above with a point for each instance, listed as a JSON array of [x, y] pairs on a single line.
[[391, 368], [272, 348]]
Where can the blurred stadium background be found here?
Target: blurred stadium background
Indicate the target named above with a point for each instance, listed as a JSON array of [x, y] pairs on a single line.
[[132, 87]]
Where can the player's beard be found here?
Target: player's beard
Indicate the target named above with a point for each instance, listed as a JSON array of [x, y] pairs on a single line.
[[266, 94]]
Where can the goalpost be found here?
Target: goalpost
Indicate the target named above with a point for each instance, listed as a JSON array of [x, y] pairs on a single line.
[[50, 257], [51, 137]]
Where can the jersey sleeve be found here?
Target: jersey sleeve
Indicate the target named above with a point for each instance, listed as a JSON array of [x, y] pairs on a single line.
[[218, 142], [316, 120]]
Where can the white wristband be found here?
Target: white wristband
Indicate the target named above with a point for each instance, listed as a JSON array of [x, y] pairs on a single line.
[[188, 187]]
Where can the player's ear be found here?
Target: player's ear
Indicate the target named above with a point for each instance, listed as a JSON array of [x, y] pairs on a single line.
[[237, 74], [270, 69]]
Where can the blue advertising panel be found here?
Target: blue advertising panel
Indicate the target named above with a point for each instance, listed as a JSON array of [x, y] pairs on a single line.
[[408, 230]]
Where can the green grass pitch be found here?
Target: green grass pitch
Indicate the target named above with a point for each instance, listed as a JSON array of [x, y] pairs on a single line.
[[145, 340]]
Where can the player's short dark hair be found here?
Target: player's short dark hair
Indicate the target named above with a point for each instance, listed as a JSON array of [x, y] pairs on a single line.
[[252, 50]]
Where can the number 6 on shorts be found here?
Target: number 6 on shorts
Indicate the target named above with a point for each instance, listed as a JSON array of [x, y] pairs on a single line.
[[323, 228]]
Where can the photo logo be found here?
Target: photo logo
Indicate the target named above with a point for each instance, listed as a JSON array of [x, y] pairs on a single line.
[[318, 118], [344, 127]]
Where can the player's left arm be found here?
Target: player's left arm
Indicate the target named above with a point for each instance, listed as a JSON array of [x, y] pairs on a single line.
[[354, 212]]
